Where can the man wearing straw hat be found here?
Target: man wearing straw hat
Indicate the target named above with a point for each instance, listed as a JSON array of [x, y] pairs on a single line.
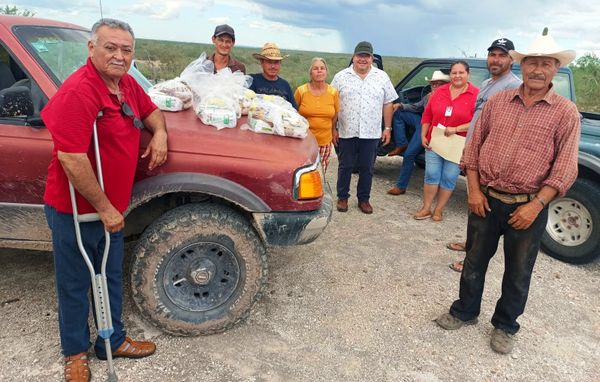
[[523, 154], [269, 81]]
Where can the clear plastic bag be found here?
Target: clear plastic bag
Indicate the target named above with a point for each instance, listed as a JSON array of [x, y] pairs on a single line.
[[175, 88], [166, 102], [274, 115], [223, 90]]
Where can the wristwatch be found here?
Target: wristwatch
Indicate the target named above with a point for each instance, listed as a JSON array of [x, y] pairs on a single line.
[[387, 128]]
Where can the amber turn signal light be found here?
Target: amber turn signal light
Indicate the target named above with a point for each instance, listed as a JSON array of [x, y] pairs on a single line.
[[310, 185]]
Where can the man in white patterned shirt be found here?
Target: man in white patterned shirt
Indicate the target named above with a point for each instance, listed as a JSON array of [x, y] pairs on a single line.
[[366, 95]]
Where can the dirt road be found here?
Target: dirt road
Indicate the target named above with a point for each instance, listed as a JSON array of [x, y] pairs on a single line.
[[356, 305]]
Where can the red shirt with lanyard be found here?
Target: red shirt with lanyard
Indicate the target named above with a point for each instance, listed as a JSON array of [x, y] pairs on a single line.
[[70, 115], [442, 109]]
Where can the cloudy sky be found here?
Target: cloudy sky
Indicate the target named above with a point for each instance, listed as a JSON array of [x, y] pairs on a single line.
[[419, 28]]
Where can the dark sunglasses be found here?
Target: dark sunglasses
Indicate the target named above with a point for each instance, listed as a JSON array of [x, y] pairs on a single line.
[[126, 109]]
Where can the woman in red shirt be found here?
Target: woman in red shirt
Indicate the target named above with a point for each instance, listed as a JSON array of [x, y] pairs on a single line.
[[451, 106]]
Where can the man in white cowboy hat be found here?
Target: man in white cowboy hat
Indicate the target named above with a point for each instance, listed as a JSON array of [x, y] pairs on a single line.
[[366, 94], [523, 153], [224, 40], [269, 81], [407, 114], [499, 64]]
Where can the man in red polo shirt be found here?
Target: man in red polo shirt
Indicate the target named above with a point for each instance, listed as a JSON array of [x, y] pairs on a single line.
[[101, 91]]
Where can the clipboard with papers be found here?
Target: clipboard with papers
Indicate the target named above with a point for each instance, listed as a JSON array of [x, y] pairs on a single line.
[[449, 148]]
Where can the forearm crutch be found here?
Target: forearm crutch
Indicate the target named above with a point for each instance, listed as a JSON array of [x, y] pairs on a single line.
[[99, 284]]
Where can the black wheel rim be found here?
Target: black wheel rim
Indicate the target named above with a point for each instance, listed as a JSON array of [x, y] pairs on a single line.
[[201, 276]]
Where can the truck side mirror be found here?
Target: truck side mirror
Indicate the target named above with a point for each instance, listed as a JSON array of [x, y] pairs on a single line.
[[16, 101]]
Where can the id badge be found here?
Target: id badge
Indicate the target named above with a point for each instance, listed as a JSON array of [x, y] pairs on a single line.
[[448, 112]]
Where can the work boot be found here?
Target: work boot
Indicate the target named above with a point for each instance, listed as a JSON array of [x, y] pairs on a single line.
[[502, 342], [449, 322], [77, 368], [342, 205]]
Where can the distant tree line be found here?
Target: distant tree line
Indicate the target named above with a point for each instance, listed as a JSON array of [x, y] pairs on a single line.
[[586, 73], [13, 10]]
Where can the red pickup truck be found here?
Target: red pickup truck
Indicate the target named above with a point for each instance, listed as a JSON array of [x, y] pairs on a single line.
[[202, 221]]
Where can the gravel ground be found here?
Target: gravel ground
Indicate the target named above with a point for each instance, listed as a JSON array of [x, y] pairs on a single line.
[[356, 305]]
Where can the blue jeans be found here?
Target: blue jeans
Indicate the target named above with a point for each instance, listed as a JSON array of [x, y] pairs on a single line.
[[73, 281], [520, 252], [361, 152], [414, 146], [400, 121], [440, 171]]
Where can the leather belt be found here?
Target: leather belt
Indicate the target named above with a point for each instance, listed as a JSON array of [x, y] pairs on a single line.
[[507, 198]]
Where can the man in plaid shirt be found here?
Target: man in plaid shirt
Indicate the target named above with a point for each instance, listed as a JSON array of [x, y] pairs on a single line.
[[523, 153]]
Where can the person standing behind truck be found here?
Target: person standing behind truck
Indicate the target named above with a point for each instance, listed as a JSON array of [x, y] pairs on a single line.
[[101, 86], [224, 41], [319, 103], [269, 81], [451, 106], [366, 96], [499, 64]]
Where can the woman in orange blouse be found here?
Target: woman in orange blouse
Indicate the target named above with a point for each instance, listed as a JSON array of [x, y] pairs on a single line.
[[318, 102]]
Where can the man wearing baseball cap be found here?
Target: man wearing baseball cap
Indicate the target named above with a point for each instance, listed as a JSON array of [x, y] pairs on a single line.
[[366, 95], [499, 63], [224, 40]]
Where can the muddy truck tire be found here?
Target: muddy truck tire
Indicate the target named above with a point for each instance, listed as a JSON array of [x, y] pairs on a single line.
[[198, 270]]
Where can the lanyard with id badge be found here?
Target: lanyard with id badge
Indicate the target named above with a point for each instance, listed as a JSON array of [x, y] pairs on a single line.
[[448, 112]]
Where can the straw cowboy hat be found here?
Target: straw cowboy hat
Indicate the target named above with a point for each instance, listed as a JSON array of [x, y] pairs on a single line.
[[270, 51], [438, 76], [545, 46]]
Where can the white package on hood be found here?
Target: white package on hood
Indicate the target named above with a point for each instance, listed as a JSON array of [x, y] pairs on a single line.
[[175, 88], [270, 114]]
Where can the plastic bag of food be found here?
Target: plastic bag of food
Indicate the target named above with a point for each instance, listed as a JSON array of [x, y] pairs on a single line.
[[246, 101], [175, 88], [217, 116], [274, 115], [199, 67], [167, 102]]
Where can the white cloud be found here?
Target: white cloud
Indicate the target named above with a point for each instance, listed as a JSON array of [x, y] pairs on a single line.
[[165, 10], [219, 20]]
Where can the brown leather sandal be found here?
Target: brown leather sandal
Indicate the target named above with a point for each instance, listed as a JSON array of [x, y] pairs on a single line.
[[77, 368], [457, 266], [457, 246], [132, 349]]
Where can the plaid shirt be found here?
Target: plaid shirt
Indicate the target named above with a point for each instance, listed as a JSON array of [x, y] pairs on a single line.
[[518, 150]]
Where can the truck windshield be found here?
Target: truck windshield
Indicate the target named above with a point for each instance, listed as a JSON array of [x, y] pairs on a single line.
[[61, 51]]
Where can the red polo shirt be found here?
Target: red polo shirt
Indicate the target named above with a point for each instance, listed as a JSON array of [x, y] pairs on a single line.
[[70, 115], [462, 106]]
